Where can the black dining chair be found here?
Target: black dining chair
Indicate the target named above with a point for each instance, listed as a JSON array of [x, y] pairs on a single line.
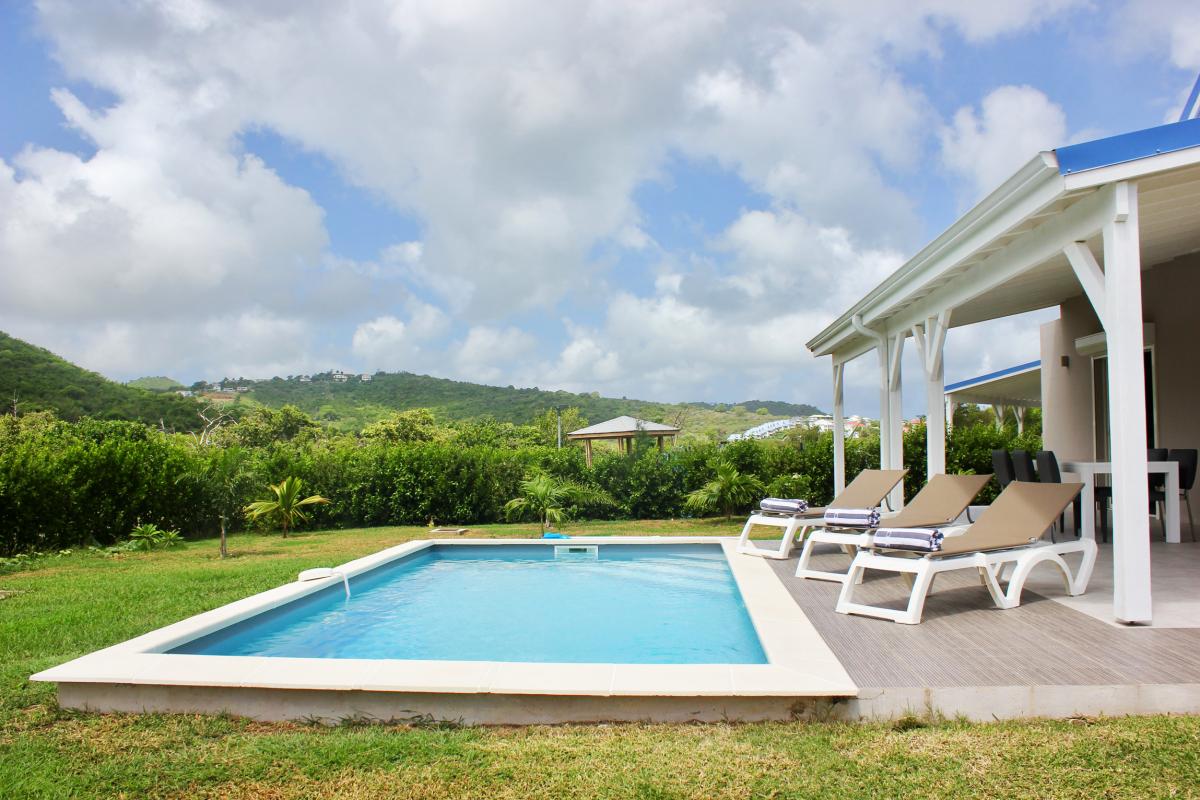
[[1002, 468], [1023, 466], [1186, 458], [1048, 472]]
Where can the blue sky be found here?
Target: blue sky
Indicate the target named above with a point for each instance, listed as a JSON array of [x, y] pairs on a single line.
[[651, 201]]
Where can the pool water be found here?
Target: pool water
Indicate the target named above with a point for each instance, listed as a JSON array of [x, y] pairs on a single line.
[[630, 604]]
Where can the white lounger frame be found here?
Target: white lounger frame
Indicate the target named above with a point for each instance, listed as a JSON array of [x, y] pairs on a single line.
[[791, 526], [851, 542], [991, 565], [846, 539]]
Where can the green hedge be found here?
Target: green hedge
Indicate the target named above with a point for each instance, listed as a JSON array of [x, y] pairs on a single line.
[[66, 484]]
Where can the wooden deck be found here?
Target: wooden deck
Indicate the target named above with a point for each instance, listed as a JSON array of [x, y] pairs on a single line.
[[965, 642]]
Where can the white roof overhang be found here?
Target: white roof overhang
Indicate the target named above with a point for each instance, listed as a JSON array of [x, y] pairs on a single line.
[[1005, 256], [1013, 387]]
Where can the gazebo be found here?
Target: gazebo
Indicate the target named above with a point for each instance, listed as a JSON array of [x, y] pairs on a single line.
[[623, 429]]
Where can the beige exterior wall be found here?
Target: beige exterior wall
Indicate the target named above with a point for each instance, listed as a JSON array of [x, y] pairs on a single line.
[[1171, 302], [1067, 391]]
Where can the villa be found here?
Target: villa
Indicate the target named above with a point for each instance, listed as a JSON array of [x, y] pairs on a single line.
[[1107, 232]]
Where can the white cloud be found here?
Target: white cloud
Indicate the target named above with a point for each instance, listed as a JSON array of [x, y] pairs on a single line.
[[515, 135], [391, 344], [1014, 123], [783, 279], [488, 353], [1158, 26]]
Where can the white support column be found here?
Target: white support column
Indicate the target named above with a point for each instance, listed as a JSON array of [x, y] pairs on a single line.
[[891, 441], [885, 395], [839, 429], [1090, 276], [1127, 408], [951, 407], [1001, 411], [931, 342], [1019, 414], [885, 414], [895, 348]]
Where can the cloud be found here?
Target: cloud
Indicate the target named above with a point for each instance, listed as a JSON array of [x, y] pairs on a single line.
[[514, 135], [1013, 123], [1157, 26], [391, 344], [488, 353], [780, 280]]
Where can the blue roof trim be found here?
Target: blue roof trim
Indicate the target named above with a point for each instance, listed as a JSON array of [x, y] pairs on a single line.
[[1128, 146], [991, 376]]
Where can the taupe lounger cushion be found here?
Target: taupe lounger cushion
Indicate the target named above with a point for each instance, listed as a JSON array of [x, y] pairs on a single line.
[[942, 500], [1020, 515], [867, 490]]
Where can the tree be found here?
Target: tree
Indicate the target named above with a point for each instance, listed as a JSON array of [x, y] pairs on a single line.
[[227, 472], [286, 507], [547, 497], [262, 426], [414, 425], [726, 491], [547, 424]]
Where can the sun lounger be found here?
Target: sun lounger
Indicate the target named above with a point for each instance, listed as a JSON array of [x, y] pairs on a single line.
[[1007, 534], [939, 503], [867, 490]]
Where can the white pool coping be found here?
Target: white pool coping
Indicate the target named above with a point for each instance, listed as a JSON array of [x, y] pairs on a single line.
[[800, 663]]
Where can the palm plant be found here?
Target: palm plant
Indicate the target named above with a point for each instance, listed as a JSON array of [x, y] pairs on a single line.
[[726, 491], [287, 507], [547, 497]]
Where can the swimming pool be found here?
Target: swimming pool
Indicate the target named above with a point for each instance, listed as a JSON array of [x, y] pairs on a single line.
[[633, 604], [654, 628]]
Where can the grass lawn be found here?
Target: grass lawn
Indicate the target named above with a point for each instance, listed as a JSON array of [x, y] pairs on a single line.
[[71, 605]]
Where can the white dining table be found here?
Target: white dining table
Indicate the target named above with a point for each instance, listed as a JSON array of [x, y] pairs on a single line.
[[1087, 471]]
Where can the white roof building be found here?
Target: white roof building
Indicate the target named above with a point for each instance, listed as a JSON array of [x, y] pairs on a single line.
[[1107, 232]]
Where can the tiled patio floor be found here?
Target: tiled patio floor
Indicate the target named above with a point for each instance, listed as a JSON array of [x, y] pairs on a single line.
[[965, 640]]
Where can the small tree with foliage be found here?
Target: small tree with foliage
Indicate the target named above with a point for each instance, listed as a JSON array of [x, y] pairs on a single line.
[[227, 473], [728, 490], [287, 507], [547, 424], [548, 497], [414, 425]]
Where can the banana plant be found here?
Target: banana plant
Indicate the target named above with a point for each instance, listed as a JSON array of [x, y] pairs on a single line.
[[548, 497], [729, 489], [287, 508]]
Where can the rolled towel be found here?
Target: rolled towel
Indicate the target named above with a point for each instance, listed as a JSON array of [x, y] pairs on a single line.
[[779, 505], [924, 540], [852, 517]]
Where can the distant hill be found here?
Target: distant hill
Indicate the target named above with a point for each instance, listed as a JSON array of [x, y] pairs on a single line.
[[156, 384], [778, 408], [42, 381], [353, 403]]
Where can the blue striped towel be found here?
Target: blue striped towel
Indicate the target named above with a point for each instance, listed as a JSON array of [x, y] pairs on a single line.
[[925, 540], [779, 505], [852, 517]]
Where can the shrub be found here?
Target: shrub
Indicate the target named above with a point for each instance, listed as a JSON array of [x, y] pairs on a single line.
[[71, 484]]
